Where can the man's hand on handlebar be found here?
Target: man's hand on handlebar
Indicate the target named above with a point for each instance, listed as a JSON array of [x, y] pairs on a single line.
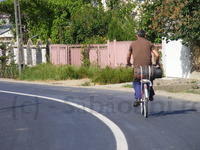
[[128, 65], [156, 65]]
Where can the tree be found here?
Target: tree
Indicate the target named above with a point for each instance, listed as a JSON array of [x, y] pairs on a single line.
[[146, 14], [175, 19], [36, 17], [8, 69], [122, 25], [178, 19], [89, 23], [74, 21], [3, 57], [113, 4]]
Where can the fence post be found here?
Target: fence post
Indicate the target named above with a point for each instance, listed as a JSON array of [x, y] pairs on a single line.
[[108, 51], [98, 58], [68, 55], [48, 50], [50, 53], [114, 52], [38, 52], [58, 55], [44, 53], [29, 52]]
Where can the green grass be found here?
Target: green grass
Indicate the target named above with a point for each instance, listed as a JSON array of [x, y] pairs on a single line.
[[97, 75], [128, 86], [9, 71], [195, 89], [88, 83], [49, 72], [113, 75]]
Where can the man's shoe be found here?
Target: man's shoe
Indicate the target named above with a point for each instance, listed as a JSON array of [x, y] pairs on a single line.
[[136, 103], [151, 98]]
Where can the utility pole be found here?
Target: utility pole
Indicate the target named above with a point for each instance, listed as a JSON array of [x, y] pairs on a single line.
[[19, 35]]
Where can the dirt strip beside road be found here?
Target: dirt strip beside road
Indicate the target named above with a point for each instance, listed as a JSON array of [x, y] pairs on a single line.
[[117, 87]]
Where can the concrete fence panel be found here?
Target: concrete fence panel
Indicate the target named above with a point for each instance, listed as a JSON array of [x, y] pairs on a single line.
[[33, 54], [44, 55], [38, 55], [29, 60]]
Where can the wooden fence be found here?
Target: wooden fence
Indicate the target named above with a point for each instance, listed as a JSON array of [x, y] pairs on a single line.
[[112, 54]]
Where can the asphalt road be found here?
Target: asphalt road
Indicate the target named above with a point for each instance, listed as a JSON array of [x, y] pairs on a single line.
[[33, 123]]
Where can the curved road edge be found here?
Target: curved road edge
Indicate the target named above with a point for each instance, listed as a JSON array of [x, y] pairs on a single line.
[[121, 142]]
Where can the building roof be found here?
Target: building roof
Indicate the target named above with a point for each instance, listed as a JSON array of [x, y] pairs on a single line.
[[5, 28], [4, 16]]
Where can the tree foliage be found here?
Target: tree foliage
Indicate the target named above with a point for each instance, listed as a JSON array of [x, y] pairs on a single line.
[[178, 19], [174, 19], [88, 23], [74, 21], [122, 24], [147, 12]]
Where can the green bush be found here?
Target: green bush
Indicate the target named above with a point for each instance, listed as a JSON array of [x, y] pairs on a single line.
[[111, 75], [68, 72], [93, 70], [83, 72], [102, 76], [49, 72]]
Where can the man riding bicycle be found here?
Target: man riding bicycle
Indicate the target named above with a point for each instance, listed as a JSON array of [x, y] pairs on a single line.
[[142, 51]]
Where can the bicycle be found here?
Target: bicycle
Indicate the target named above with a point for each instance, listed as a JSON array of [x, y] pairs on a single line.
[[146, 84]]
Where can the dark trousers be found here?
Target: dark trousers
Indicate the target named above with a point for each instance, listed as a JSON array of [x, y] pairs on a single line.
[[138, 92]]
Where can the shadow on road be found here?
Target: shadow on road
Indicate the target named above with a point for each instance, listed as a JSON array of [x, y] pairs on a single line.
[[175, 112], [25, 109], [20, 106]]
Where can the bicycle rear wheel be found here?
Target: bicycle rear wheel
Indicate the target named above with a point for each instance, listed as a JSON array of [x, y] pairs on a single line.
[[145, 102], [142, 107], [145, 107]]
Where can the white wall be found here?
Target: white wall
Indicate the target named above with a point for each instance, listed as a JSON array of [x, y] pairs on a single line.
[[176, 59], [33, 53]]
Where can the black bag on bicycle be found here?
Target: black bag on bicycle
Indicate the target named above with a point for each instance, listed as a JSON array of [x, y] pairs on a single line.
[[147, 72], [157, 72]]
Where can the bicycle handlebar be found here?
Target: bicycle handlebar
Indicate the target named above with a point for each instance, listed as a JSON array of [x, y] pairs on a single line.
[[146, 81]]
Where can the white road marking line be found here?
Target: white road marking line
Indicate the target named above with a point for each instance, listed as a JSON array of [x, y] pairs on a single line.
[[117, 132]]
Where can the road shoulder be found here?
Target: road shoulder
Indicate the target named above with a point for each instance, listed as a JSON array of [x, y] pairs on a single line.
[[113, 87]]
